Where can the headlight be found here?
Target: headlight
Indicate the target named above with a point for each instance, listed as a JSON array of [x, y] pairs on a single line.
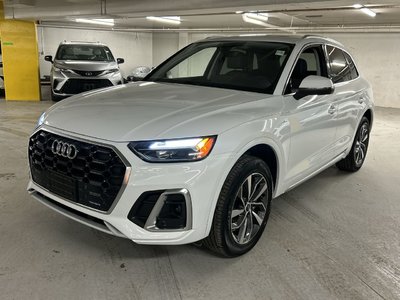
[[41, 119], [178, 150], [110, 71], [56, 69]]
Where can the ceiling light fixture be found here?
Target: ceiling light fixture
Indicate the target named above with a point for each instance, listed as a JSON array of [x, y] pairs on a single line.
[[106, 22], [170, 19], [368, 12], [257, 16], [261, 20], [365, 10]]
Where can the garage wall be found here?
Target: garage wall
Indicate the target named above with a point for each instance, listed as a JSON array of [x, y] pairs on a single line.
[[164, 45], [133, 47], [376, 54]]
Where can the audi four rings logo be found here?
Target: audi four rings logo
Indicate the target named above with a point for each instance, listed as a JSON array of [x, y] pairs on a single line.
[[64, 149]]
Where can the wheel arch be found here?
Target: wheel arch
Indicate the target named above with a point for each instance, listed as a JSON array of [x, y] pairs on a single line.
[[370, 116], [273, 157], [266, 153]]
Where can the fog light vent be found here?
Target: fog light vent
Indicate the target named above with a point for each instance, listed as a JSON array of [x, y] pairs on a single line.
[[169, 210], [143, 207], [173, 213]]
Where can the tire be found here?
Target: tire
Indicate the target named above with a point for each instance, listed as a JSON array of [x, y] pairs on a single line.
[[355, 159], [236, 229]]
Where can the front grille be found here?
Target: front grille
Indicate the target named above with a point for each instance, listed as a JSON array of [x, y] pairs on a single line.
[[76, 86], [88, 73], [93, 178]]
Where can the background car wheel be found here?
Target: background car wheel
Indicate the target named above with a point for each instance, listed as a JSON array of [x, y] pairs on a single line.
[[355, 159], [242, 209]]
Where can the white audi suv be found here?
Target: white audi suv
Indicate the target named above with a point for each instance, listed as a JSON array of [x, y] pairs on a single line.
[[197, 150]]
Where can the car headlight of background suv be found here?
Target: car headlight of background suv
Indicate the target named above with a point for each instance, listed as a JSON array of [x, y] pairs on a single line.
[[110, 71], [176, 150], [57, 69]]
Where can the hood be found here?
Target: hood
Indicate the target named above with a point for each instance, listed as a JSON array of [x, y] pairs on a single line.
[[84, 65], [148, 110]]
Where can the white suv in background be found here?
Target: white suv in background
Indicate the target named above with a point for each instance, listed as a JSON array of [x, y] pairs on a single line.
[[199, 148], [81, 66]]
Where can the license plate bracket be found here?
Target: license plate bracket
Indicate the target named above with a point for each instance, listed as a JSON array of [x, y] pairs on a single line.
[[89, 86], [63, 186]]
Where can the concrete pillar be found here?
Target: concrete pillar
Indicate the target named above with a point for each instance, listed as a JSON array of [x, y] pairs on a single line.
[[20, 59]]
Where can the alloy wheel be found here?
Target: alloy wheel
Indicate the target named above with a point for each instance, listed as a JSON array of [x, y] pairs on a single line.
[[249, 208], [361, 145]]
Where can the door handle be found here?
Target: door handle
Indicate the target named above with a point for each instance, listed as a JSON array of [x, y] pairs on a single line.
[[361, 100], [332, 109]]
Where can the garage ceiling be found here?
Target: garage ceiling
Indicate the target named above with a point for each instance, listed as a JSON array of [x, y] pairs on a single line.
[[210, 15]]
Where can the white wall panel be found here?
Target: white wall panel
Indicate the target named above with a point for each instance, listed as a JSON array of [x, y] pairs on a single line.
[[164, 45]]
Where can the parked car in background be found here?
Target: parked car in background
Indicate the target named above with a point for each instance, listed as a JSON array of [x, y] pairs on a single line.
[[80, 66], [197, 150], [139, 73]]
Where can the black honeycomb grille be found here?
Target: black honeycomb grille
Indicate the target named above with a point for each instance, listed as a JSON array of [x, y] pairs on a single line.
[[88, 73], [76, 86], [93, 178]]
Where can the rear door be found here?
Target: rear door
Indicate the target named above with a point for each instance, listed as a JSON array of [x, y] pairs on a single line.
[[350, 96]]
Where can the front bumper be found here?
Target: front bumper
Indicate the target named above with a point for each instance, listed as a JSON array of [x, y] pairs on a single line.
[[65, 84], [201, 180]]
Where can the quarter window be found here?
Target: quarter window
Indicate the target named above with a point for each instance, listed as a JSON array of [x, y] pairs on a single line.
[[340, 71], [353, 69]]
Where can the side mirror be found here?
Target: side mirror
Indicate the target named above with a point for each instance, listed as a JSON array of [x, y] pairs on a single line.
[[48, 58], [120, 61], [314, 85]]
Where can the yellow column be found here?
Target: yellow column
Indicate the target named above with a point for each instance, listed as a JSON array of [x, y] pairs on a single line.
[[20, 60]]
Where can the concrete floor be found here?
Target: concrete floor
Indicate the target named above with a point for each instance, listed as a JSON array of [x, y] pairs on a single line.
[[337, 236]]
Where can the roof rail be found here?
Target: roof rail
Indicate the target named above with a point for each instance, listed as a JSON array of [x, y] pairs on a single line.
[[86, 42], [312, 36], [322, 37]]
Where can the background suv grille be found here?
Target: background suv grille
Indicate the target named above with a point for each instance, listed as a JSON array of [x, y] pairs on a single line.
[[76, 86], [93, 178], [88, 73]]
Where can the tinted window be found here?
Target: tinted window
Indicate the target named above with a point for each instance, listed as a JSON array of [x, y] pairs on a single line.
[[340, 70], [84, 52], [241, 65], [353, 69]]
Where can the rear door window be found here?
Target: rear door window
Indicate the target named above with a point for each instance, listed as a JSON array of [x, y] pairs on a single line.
[[339, 68]]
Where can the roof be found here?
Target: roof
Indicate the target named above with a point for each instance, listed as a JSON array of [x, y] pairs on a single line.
[[81, 43], [290, 38]]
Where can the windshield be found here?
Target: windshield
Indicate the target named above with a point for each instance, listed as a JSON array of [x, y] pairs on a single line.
[[243, 65], [84, 52]]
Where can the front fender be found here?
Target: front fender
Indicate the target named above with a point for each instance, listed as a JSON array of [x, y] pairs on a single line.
[[239, 146]]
